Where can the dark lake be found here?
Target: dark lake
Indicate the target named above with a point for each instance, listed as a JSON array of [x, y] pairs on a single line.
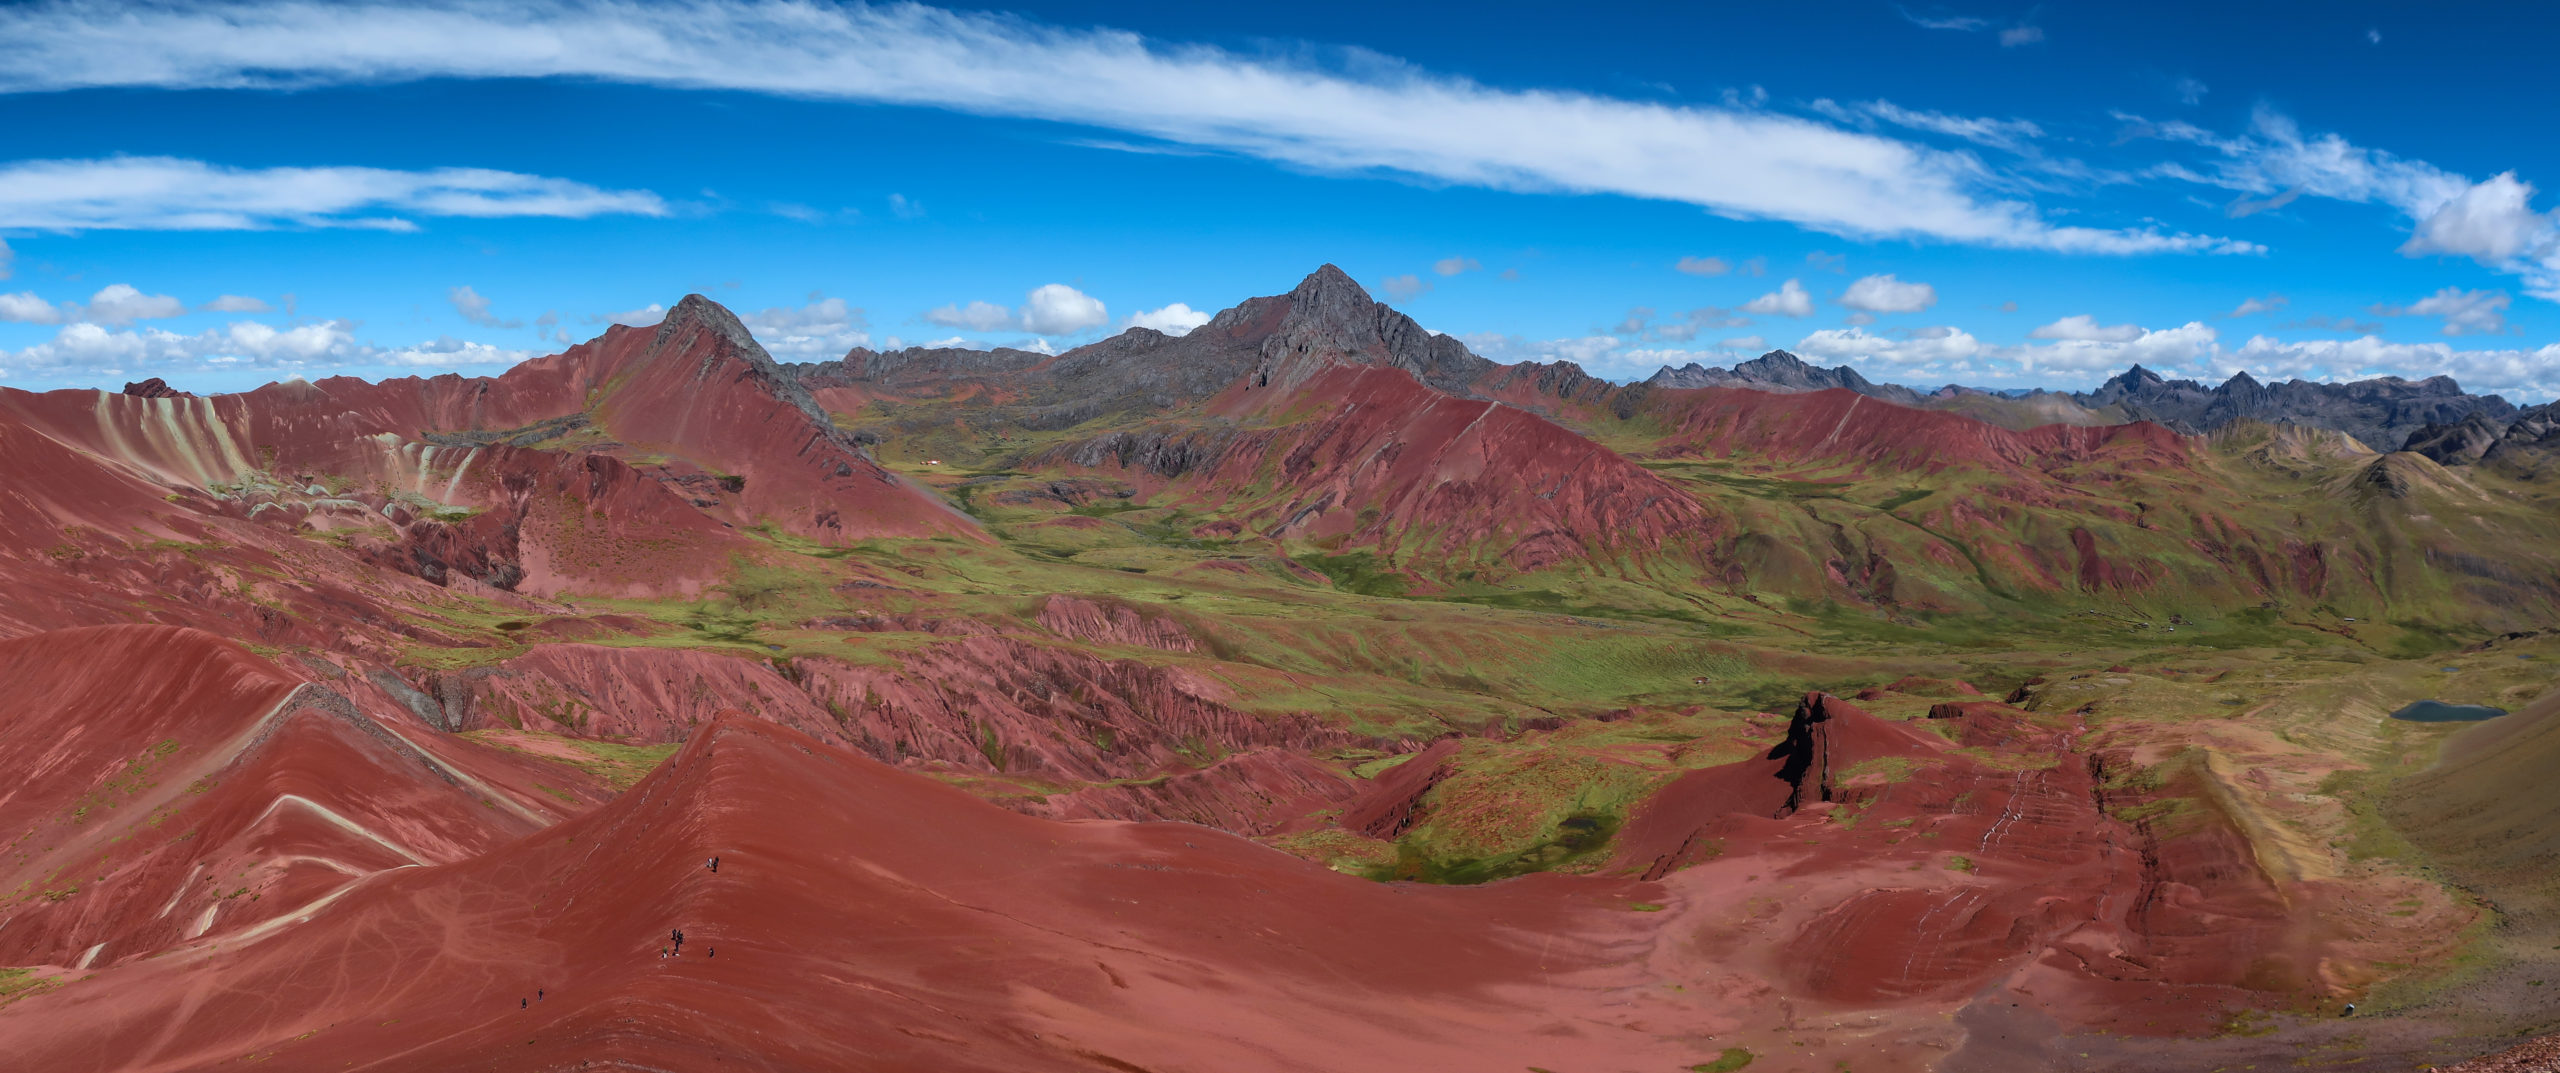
[[2436, 711]]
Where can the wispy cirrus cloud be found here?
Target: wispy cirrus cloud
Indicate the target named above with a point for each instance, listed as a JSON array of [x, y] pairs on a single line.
[[2274, 162], [1368, 114], [171, 194]]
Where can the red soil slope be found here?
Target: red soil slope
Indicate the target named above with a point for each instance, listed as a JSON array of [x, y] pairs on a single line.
[[1925, 874], [982, 705], [165, 786], [1841, 427], [694, 404], [1375, 458], [865, 919]]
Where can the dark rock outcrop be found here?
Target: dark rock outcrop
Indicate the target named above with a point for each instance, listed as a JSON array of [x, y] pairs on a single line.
[[2382, 412], [1778, 370], [155, 388]]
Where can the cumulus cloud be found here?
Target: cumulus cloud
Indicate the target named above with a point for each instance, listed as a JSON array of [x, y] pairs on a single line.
[[2248, 306], [1789, 300], [1450, 266], [475, 308], [1924, 347], [1703, 266], [25, 308], [1058, 309], [1406, 287], [1374, 115], [2493, 223], [1885, 294], [823, 329], [2085, 328], [2474, 312], [88, 347], [121, 303], [235, 303], [1175, 319], [2518, 372], [1050, 309], [978, 316], [168, 194]]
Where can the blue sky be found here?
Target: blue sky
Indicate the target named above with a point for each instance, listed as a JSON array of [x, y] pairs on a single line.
[[228, 194]]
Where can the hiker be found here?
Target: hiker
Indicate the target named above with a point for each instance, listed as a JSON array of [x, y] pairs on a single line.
[[709, 951], [2349, 1011], [523, 1005], [714, 863], [537, 994]]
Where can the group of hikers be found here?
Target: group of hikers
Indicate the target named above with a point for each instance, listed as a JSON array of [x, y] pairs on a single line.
[[674, 949]]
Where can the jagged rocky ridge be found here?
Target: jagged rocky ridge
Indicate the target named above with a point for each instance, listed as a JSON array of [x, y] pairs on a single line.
[[1329, 319]]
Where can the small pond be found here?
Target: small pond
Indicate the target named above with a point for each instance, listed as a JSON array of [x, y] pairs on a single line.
[[2436, 711]]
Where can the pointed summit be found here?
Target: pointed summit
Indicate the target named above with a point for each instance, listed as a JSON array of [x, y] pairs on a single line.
[[1330, 319], [1329, 285]]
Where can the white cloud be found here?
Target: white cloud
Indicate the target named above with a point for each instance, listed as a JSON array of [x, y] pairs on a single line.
[[1406, 287], [1175, 319], [1058, 309], [1746, 342], [976, 316], [25, 308], [166, 194], [1943, 21], [1375, 115], [2010, 134], [7, 256], [1789, 300], [2477, 312], [1050, 309], [905, 208], [475, 308], [235, 303], [2189, 344], [637, 318], [121, 303], [2492, 223], [2190, 90], [1703, 266], [2268, 304], [1450, 266], [87, 346], [2021, 35], [1885, 294], [1924, 347], [2085, 328], [821, 330], [2275, 162], [2530, 374]]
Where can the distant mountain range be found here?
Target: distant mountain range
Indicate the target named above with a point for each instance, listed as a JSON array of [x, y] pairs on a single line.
[[2383, 413]]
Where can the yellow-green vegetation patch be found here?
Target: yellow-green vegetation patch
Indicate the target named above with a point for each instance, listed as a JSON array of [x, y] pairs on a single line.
[[1732, 1059], [18, 983], [615, 764]]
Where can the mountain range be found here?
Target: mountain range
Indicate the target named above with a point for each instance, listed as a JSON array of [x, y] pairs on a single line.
[[1304, 691]]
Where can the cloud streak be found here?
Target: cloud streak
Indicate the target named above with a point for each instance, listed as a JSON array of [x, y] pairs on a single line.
[[1372, 115], [169, 194]]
